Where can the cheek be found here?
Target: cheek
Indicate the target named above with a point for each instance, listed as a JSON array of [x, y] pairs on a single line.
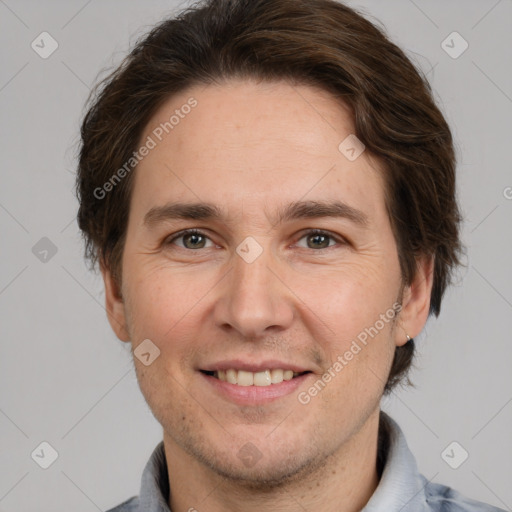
[[167, 306], [351, 313], [347, 298], [163, 307], [161, 296]]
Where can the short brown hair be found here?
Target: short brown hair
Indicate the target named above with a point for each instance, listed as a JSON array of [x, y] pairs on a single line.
[[312, 42]]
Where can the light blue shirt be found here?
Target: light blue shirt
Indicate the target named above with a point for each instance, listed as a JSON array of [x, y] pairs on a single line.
[[401, 487]]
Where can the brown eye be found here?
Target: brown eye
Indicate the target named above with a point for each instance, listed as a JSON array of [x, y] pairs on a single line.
[[318, 239], [191, 239]]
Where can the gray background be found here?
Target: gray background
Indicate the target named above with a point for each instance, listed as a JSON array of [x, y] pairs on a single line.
[[66, 379]]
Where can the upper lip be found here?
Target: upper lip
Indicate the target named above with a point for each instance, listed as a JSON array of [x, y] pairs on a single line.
[[239, 364]]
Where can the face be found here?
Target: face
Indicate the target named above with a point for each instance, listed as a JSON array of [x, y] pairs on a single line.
[[291, 259]]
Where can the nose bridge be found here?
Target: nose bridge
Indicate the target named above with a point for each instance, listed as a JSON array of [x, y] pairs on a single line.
[[252, 277], [253, 299]]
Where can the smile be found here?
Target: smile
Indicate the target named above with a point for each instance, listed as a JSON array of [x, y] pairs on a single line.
[[247, 378]]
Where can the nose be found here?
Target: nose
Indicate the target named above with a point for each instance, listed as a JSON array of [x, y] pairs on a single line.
[[254, 299]]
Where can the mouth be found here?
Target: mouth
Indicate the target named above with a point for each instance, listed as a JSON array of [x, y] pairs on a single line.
[[245, 378]]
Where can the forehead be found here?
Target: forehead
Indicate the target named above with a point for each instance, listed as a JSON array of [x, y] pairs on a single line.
[[246, 144]]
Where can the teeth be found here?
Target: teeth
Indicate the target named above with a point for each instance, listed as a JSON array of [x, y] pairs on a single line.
[[276, 376], [262, 378], [245, 378], [231, 376], [265, 378]]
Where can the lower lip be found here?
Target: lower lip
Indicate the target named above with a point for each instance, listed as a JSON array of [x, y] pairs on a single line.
[[255, 395]]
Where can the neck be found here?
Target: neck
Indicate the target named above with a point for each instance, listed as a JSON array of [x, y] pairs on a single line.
[[344, 482]]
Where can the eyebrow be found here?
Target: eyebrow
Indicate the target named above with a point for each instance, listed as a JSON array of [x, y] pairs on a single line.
[[293, 211]]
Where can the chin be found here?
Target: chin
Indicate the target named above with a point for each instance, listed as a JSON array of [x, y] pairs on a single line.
[[264, 474]]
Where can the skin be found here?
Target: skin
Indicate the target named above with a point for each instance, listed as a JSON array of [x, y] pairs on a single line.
[[251, 148]]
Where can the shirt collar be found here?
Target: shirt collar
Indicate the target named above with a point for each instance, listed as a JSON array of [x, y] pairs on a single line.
[[400, 489], [154, 489]]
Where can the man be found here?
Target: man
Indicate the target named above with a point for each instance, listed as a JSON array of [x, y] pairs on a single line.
[[269, 190]]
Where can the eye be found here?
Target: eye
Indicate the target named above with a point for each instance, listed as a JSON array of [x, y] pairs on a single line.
[[190, 239], [318, 239], [194, 239]]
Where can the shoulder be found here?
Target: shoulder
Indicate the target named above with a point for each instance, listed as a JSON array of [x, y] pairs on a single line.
[[403, 488], [442, 498], [154, 489], [130, 505]]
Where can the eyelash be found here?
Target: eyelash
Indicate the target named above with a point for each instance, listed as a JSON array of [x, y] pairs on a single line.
[[316, 231]]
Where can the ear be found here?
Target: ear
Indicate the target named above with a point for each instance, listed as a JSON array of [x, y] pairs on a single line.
[[114, 305], [416, 302]]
